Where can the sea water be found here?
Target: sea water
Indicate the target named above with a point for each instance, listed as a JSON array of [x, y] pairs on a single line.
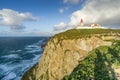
[[18, 54]]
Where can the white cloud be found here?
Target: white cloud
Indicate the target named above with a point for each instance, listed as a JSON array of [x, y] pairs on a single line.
[[61, 10], [14, 19], [71, 1], [60, 26], [105, 12]]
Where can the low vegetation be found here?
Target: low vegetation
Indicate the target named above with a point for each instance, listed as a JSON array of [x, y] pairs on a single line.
[[77, 33]]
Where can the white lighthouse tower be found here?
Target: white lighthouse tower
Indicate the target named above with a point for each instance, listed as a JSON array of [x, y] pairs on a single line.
[[81, 22]]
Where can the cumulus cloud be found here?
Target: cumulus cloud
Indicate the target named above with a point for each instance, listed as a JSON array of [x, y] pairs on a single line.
[[60, 26], [14, 19], [105, 12]]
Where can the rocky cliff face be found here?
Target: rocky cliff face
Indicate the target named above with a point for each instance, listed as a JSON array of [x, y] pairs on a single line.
[[61, 56], [103, 63]]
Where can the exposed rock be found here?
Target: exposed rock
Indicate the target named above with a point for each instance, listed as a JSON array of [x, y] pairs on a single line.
[[61, 56]]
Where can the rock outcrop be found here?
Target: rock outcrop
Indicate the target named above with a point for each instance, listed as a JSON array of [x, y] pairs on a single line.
[[62, 55]]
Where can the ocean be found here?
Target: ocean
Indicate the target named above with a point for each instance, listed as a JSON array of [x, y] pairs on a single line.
[[18, 54]]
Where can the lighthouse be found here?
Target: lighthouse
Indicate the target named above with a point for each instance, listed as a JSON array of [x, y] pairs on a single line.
[[81, 22], [81, 25]]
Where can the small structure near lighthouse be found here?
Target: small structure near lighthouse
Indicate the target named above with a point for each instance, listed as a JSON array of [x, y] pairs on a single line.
[[95, 25], [90, 26]]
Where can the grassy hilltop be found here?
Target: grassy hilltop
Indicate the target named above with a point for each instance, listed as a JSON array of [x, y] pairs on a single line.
[[78, 33]]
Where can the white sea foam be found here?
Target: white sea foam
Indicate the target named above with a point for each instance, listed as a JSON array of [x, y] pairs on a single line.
[[14, 51], [36, 58], [33, 51], [7, 70], [33, 48], [11, 56], [14, 71], [4, 67], [9, 76], [11, 67]]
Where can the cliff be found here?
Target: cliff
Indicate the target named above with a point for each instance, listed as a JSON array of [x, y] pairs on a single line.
[[103, 63], [66, 50]]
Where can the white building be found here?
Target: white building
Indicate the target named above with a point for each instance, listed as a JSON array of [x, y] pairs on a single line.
[[91, 26]]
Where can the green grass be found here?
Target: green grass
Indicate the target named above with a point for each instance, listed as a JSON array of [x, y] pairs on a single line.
[[78, 33], [98, 65]]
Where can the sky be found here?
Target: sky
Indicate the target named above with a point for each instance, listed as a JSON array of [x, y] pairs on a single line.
[[48, 17]]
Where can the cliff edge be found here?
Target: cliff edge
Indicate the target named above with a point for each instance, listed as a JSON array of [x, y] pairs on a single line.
[[66, 50]]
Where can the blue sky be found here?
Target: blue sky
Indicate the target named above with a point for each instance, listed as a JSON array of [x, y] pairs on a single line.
[[46, 12], [46, 17]]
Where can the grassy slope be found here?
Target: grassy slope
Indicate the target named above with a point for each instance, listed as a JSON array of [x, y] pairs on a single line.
[[77, 33], [98, 65]]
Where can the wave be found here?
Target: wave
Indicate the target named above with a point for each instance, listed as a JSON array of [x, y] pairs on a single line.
[[15, 51], [11, 56]]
